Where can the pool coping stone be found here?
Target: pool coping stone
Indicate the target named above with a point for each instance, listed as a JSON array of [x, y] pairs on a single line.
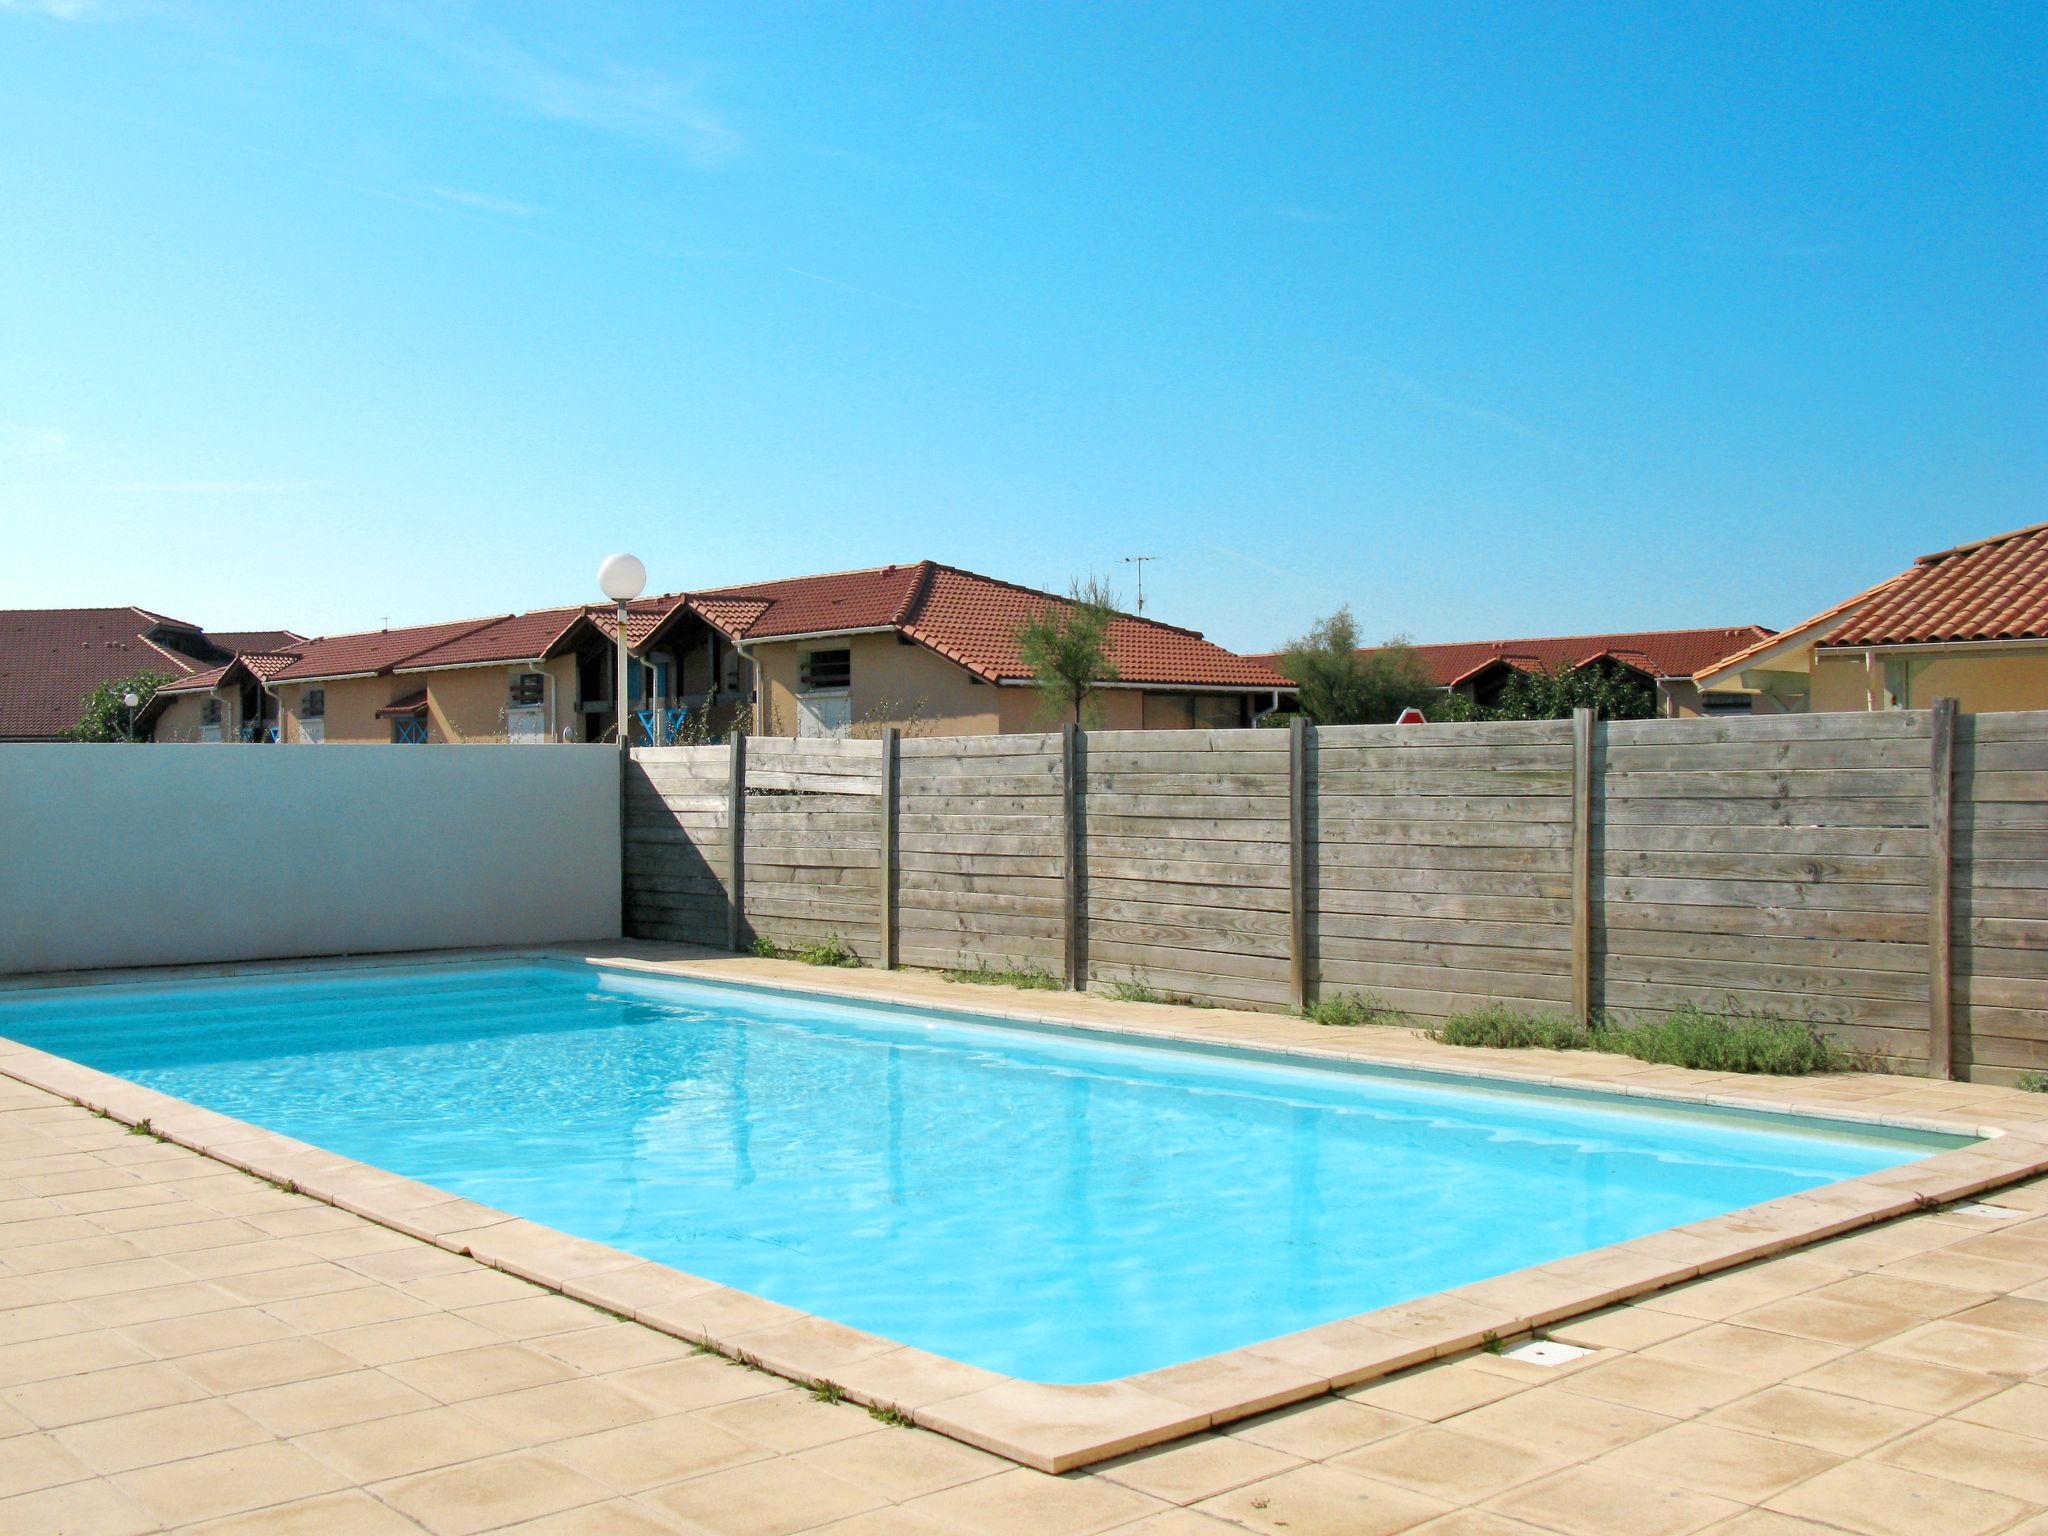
[[1058, 1428]]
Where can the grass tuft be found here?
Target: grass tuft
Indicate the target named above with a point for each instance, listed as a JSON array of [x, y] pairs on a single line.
[[1734, 1040], [823, 1391], [2032, 1082], [764, 948], [895, 1418], [1030, 977], [1348, 1010], [830, 950]]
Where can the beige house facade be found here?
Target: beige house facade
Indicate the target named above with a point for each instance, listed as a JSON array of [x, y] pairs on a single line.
[[1968, 623]]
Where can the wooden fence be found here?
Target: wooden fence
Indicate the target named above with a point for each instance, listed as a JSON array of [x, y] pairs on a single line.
[[1883, 874]]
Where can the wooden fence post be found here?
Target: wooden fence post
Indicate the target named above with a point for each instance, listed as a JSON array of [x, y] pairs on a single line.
[[736, 839], [892, 759], [1941, 889], [1582, 864], [1297, 861], [1072, 767]]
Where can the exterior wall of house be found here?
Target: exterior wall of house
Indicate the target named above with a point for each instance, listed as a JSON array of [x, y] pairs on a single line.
[[1116, 709], [468, 704], [1980, 681], [182, 717], [893, 684], [352, 705]]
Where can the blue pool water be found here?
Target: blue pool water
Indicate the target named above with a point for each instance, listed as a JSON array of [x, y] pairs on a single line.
[[1040, 1204]]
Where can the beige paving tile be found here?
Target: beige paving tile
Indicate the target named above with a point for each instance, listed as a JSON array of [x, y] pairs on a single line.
[[43, 1359], [32, 1461], [101, 1394], [199, 1333], [1321, 1498], [474, 1373], [697, 1381], [227, 1482], [155, 1435], [760, 1499], [1437, 1392], [2020, 1410], [1560, 1422], [1447, 1464], [1192, 1470], [612, 1347], [534, 1317], [902, 1464], [1958, 1344], [1877, 1500], [75, 1509], [1846, 1426], [1321, 1429], [1475, 1522], [351, 1513], [304, 1407], [1920, 1385], [410, 1338], [1671, 1387], [2010, 1314], [352, 1308], [1591, 1501], [377, 1449], [1025, 1502], [1978, 1455], [1630, 1328], [1740, 1350], [1707, 1458], [265, 1365], [636, 1457], [482, 1495], [612, 1517], [560, 1409], [790, 1420], [1828, 1320]]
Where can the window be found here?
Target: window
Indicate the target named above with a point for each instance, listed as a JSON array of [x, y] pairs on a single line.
[[528, 689], [210, 714], [313, 705], [409, 731], [819, 671], [1727, 703]]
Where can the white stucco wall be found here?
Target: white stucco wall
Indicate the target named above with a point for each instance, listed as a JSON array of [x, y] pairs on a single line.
[[116, 855]]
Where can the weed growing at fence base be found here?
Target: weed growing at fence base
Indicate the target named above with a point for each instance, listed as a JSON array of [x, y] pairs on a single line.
[[1138, 990], [830, 950], [1347, 1010], [2032, 1082], [1030, 977], [1739, 1040]]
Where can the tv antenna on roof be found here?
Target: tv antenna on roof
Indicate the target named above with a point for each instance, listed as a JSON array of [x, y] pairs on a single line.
[[1139, 562]]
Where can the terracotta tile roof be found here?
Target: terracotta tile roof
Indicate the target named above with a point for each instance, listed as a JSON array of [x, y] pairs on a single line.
[[969, 619], [198, 682], [239, 642], [516, 637], [51, 658], [1821, 624], [1659, 652], [1993, 589], [643, 616], [375, 650]]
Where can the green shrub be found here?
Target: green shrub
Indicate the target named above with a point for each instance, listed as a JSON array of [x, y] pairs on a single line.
[[1347, 1010], [1740, 1040], [1030, 977], [1737, 1040], [1508, 1029], [830, 950], [2032, 1082], [765, 948]]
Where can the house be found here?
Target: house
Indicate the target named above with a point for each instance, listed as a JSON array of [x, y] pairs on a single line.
[[1968, 623], [932, 649], [1664, 658], [51, 658]]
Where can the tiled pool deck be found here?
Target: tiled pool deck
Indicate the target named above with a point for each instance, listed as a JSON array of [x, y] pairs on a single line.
[[183, 1342]]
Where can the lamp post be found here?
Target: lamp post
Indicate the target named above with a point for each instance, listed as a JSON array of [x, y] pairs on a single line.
[[131, 699], [622, 578]]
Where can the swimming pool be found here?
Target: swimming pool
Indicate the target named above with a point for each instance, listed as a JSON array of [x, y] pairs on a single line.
[[1043, 1204]]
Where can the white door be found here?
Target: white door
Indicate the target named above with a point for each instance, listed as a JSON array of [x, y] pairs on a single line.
[[526, 727], [314, 730], [823, 714]]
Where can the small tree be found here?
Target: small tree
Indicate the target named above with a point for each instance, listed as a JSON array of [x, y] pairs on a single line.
[[104, 715], [1066, 646], [1340, 685]]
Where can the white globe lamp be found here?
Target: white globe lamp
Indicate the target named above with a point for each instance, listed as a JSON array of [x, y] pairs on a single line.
[[622, 578]]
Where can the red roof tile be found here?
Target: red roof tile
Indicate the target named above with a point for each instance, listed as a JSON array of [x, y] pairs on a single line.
[[198, 682], [1659, 652], [373, 650], [1993, 589], [969, 619], [517, 637], [240, 642], [51, 658]]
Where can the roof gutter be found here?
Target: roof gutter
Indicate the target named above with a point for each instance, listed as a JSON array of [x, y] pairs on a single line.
[[1933, 647]]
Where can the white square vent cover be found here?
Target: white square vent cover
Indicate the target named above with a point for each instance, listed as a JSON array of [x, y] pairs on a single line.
[[1545, 1352], [1990, 1212]]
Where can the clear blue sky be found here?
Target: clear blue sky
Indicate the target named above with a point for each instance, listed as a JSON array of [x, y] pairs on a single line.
[[1485, 319]]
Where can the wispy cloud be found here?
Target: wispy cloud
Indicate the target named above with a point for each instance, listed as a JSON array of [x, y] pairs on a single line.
[[24, 442], [1412, 388], [1294, 213], [619, 98], [56, 10], [483, 202]]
